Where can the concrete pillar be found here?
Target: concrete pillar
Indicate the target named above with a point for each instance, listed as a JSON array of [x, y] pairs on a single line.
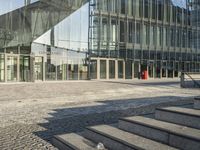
[[140, 71], [133, 70], [154, 71], [161, 73], [107, 69], [116, 69], [18, 68], [43, 69], [124, 70], [32, 71], [5, 68], [166, 73], [98, 68], [182, 80], [173, 76]]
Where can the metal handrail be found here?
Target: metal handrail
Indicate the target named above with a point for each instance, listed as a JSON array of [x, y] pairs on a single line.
[[194, 81]]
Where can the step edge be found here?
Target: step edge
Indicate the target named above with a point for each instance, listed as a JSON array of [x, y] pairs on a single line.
[[68, 143], [114, 138], [162, 129], [183, 113], [56, 137]]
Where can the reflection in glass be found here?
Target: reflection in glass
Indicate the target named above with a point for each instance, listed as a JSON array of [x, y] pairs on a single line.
[[12, 68], [128, 72], [120, 69], [93, 69], [25, 68], [102, 69], [38, 68], [2, 67], [111, 69], [136, 69]]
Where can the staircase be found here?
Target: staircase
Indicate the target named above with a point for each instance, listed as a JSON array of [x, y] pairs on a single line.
[[171, 128]]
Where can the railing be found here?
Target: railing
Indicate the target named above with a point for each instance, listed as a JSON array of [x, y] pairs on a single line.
[[190, 80]]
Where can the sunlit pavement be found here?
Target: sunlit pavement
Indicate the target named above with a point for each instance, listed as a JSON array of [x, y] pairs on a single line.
[[27, 110]]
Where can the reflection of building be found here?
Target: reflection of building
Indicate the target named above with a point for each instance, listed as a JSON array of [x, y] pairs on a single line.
[[48, 40], [43, 40]]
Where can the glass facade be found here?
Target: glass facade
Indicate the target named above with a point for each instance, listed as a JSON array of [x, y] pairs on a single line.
[[158, 36], [42, 40]]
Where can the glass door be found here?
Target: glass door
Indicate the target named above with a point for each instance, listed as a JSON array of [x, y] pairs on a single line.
[[137, 69], [12, 68], [25, 68], [151, 69], [38, 68]]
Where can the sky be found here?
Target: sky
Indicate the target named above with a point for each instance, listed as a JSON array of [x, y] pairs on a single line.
[[9, 5], [180, 3]]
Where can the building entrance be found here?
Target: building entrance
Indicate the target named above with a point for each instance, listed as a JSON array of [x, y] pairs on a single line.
[[25, 68], [12, 68], [137, 73], [38, 68]]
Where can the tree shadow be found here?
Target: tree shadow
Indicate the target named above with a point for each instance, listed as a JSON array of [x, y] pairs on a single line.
[[76, 118]]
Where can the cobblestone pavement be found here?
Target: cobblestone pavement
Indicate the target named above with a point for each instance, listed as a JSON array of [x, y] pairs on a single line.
[[31, 113]]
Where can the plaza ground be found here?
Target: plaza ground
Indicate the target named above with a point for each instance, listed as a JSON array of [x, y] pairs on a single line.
[[31, 113]]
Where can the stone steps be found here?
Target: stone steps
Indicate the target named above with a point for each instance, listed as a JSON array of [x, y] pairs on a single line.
[[116, 139], [73, 141], [168, 133], [182, 116], [140, 133]]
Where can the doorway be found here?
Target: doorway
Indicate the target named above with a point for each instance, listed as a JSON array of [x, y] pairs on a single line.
[[137, 69], [38, 68], [12, 68], [25, 68]]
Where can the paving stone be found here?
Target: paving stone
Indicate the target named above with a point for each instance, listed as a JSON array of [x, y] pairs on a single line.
[[31, 113]]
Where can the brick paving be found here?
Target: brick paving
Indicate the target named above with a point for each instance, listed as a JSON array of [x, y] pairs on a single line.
[[31, 113]]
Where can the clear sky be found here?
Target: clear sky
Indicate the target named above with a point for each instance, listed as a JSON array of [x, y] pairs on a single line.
[[180, 3], [9, 5]]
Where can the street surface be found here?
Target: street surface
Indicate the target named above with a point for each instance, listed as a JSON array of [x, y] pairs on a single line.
[[31, 113]]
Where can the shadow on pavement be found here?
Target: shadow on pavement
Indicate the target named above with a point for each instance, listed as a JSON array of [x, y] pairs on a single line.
[[143, 83], [75, 118]]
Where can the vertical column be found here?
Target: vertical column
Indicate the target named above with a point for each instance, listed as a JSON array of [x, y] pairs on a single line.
[[32, 66], [18, 68], [133, 70], [5, 67], [116, 69], [18, 64], [56, 77], [107, 69], [98, 68], [148, 77], [43, 69], [154, 71], [160, 69], [173, 70], [166, 73], [124, 70], [139, 70]]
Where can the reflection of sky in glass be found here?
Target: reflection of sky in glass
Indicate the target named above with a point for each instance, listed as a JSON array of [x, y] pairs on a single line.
[[10, 5], [179, 3], [71, 33]]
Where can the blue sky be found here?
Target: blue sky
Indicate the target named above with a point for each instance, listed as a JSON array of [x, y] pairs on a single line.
[[9, 5], [180, 3]]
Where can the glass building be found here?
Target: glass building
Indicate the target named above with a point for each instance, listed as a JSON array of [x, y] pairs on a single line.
[[128, 37], [43, 40]]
